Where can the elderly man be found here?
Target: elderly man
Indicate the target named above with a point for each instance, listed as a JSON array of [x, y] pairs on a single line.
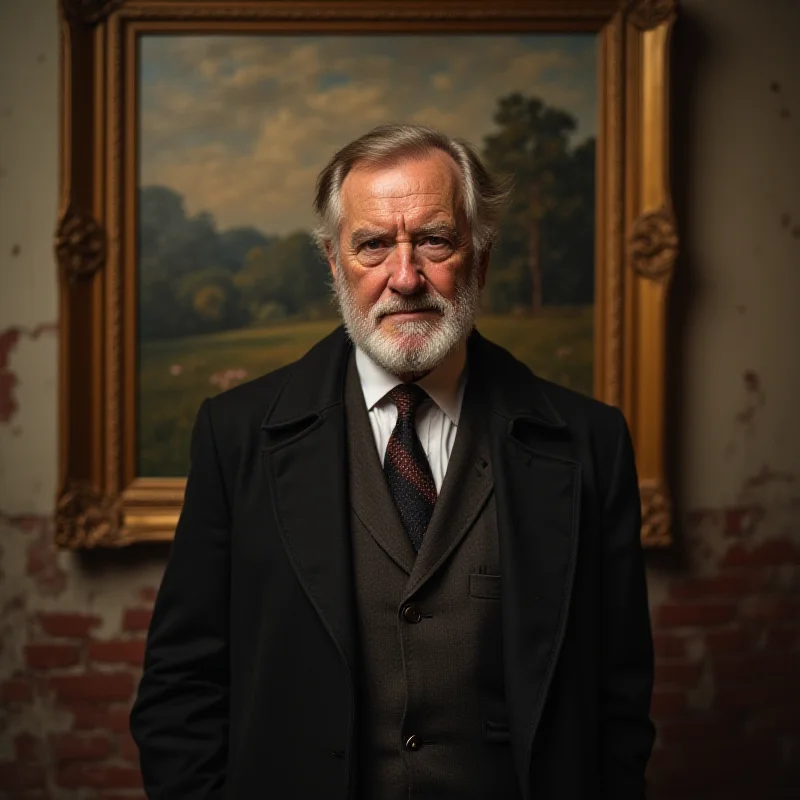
[[406, 567]]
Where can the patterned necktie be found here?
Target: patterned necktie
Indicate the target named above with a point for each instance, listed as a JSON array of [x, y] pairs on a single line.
[[406, 467]]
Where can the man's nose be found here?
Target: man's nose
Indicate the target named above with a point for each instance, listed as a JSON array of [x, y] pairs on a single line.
[[404, 274]]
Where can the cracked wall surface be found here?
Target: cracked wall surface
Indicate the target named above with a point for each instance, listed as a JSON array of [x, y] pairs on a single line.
[[725, 600]]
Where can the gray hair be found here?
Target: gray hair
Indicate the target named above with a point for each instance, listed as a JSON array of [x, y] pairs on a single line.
[[484, 196]]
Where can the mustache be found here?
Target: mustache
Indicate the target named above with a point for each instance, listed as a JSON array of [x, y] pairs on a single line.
[[401, 305]]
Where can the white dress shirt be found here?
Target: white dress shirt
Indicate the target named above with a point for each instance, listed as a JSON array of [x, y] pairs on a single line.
[[436, 420]]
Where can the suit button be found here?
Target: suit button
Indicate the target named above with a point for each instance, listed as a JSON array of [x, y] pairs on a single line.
[[411, 613], [413, 742]]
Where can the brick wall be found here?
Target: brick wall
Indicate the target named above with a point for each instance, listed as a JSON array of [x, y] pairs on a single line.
[[69, 666], [727, 640], [727, 637]]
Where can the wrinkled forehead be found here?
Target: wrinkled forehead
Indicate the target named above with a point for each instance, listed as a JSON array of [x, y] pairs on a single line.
[[411, 183]]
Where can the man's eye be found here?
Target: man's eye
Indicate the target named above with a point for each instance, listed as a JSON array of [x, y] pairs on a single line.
[[372, 244], [436, 243]]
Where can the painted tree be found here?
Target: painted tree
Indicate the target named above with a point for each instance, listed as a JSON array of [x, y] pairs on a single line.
[[531, 144]]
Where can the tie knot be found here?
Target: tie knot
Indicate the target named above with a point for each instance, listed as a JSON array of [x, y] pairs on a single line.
[[407, 397]]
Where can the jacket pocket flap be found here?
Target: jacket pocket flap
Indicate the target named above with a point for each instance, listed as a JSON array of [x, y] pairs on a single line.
[[484, 586], [496, 732]]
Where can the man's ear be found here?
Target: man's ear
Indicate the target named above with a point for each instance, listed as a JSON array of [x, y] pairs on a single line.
[[330, 256], [483, 266]]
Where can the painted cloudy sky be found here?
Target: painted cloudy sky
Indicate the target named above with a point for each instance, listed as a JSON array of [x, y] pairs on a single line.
[[242, 125]]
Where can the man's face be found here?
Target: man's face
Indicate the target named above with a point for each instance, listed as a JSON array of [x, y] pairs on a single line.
[[406, 280]]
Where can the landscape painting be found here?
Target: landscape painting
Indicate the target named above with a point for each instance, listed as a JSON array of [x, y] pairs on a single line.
[[232, 132]]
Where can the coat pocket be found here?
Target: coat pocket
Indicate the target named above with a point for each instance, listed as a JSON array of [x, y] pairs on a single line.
[[486, 587], [496, 733]]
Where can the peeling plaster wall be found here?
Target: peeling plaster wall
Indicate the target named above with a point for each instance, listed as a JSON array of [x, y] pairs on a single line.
[[725, 600]]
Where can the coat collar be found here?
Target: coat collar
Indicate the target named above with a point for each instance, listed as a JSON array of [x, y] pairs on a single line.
[[315, 383]]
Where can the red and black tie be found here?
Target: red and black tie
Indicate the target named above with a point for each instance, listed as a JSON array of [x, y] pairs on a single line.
[[407, 470]]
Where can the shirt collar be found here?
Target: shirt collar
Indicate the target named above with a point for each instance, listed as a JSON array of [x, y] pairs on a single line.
[[445, 385]]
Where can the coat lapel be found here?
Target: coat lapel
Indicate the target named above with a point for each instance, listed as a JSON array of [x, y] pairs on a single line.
[[369, 492], [466, 488], [537, 488], [304, 452]]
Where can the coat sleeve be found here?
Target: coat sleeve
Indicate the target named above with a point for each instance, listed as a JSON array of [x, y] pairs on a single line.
[[180, 718], [626, 680]]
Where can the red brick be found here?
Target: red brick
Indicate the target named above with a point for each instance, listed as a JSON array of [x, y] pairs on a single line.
[[74, 747], [663, 762], [712, 771], [97, 716], [783, 720], [694, 614], [76, 626], [700, 516], [667, 702], [761, 694], [703, 728], [43, 564], [768, 609], [118, 652], [741, 520], [16, 690], [136, 619], [27, 748], [763, 667], [134, 796], [128, 749], [684, 676], [51, 656], [17, 777], [726, 586], [729, 640], [93, 686], [148, 594], [783, 637], [16, 603], [77, 776], [667, 646], [772, 553]]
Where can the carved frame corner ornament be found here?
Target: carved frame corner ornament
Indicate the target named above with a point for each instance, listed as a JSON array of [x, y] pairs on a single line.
[[87, 12], [649, 14], [656, 515], [653, 244], [80, 245], [85, 518]]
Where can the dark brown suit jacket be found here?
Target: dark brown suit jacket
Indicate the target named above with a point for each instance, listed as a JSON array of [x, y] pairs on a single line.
[[437, 674], [249, 685]]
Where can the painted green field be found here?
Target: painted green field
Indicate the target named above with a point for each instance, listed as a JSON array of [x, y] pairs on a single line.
[[175, 375]]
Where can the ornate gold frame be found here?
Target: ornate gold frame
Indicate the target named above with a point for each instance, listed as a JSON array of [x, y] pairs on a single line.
[[102, 502]]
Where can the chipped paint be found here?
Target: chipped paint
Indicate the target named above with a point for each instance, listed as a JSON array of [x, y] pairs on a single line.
[[9, 340], [8, 380], [767, 475]]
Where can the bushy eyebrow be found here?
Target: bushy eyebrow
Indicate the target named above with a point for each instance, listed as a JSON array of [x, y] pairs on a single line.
[[445, 229], [361, 235]]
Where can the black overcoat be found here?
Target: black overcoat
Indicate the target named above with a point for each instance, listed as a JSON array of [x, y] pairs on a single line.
[[250, 678]]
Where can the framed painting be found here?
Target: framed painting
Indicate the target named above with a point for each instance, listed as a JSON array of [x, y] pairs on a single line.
[[192, 136]]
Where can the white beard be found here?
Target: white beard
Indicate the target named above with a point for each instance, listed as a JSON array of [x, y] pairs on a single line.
[[412, 347]]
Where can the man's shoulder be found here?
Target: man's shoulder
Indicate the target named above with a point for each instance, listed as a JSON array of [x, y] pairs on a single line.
[[572, 407], [249, 404], [254, 395], [576, 406]]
